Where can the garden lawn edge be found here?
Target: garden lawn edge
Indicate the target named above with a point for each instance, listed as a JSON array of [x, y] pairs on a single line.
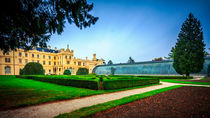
[[87, 111], [185, 82]]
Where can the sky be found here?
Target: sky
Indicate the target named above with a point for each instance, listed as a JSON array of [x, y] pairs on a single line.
[[142, 29]]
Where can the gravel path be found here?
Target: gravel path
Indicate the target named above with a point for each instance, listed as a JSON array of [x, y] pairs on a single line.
[[50, 110], [184, 102]]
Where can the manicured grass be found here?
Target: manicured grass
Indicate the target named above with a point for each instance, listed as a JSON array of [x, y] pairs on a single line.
[[185, 82], [86, 111], [16, 92]]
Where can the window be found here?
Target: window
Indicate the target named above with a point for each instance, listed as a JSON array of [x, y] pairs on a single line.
[[54, 63], [69, 57], [32, 60], [26, 61], [49, 57], [32, 55], [79, 63], [20, 54], [26, 55], [20, 61], [7, 70], [74, 63], [43, 62], [7, 59], [49, 71], [49, 63], [37, 61], [59, 69], [67, 62], [43, 56], [54, 57], [66, 57], [37, 56], [83, 64]]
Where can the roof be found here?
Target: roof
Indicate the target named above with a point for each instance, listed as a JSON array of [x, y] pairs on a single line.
[[47, 50]]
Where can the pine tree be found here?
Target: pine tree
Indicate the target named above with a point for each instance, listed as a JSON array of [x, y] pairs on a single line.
[[189, 48]]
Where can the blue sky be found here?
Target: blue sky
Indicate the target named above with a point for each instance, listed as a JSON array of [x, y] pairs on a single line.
[[142, 29]]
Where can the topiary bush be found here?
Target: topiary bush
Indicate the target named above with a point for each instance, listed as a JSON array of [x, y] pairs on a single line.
[[21, 72], [82, 71], [33, 68], [67, 72]]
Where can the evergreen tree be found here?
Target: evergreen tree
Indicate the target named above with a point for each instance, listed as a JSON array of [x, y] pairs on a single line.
[[28, 23], [189, 48], [171, 54], [130, 60], [110, 62]]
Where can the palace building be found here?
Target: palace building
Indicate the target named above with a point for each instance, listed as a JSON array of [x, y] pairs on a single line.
[[53, 61]]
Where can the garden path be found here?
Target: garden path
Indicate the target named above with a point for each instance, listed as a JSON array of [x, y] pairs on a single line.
[[50, 110]]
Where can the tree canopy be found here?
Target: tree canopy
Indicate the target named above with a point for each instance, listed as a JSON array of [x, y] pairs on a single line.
[[110, 62], [29, 23], [130, 60], [189, 48]]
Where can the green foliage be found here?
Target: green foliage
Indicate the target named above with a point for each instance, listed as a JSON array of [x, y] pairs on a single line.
[[74, 81], [189, 49], [82, 71], [33, 68], [185, 82], [28, 23], [110, 62], [67, 72], [130, 60], [171, 54], [88, 111], [126, 83], [21, 72]]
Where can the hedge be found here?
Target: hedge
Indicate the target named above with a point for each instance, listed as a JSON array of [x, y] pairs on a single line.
[[153, 76], [126, 83], [64, 81]]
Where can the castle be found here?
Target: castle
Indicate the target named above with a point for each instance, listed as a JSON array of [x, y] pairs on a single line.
[[53, 61]]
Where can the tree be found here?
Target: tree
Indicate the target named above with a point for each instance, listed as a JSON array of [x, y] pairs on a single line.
[[110, 62], [171, 54], [130, 60], [29, 23], [33, 68], [189, 48], [67, 72], [158, 59], [82, 71]]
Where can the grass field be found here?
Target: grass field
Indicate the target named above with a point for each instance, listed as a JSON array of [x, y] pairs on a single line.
[[86, 111], [16, 92], [185, 82]]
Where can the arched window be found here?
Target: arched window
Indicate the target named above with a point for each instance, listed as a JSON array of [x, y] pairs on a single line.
[[7, 70]]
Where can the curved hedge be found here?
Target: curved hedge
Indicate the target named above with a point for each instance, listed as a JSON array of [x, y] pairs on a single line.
[[67, 72], [82, 71], [32, 68]]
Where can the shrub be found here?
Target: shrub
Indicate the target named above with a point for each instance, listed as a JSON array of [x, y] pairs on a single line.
[[126, 83], [21, 72], [82, 71], [33, 68], [67, 72]]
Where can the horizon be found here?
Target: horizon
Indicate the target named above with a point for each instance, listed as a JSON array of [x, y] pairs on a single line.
[[141, 29]]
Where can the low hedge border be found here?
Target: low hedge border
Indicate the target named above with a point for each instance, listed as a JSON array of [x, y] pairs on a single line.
[[64, 81], [126, 83]]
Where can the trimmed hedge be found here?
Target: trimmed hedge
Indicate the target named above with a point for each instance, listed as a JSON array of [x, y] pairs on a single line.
[[111, 84], [32, 68], [67, 72], [151, 76], [64, 81], [82, 71]]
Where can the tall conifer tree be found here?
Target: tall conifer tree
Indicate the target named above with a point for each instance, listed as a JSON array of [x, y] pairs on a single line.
[[190, 48]]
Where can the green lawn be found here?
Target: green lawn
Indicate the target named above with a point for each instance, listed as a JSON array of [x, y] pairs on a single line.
[[86, 111], [184, 82], [16, 92]]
